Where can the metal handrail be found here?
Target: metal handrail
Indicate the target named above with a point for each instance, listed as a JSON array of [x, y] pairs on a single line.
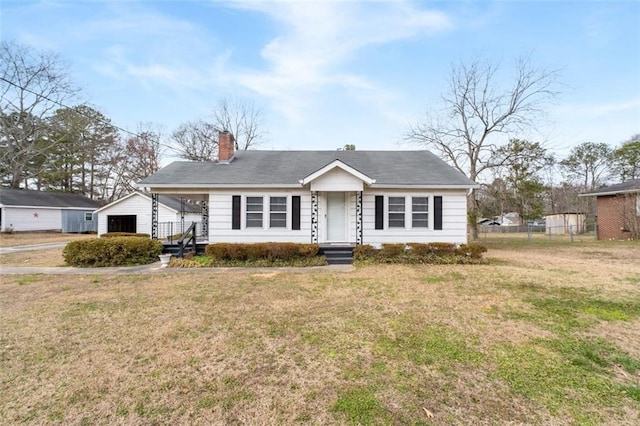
[[192, 239]]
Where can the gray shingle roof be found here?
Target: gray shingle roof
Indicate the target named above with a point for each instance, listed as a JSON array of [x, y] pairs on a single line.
[[289, 167], [619, 188], [25, 197]]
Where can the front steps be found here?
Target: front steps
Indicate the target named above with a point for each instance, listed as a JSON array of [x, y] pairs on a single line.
[[338, 254], [168, 248]]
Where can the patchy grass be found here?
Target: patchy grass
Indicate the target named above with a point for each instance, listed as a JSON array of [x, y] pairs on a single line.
[[540, 335], [49, 257], [27, 238]]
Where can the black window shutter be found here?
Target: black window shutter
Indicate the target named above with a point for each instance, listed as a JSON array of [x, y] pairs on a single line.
[[379, 211], [437, 213], [235, 212], [295, 212]]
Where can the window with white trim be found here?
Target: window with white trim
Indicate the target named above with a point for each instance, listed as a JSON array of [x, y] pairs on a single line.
[[88, 216], [420, 212], [277, 212], [254, 212], [396, 212]]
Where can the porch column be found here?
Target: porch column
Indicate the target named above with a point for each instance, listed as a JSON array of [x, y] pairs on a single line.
[[314, 217], [359, 221], [205, 219], [154, 215]]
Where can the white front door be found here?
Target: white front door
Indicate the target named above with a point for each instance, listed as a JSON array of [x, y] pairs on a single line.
[[336, 217]]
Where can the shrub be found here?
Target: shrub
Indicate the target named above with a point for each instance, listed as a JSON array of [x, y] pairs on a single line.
[[419, 249], [124, 234], [420, 253], [364, 251], [392, 250], [257, 251], [112, 251]]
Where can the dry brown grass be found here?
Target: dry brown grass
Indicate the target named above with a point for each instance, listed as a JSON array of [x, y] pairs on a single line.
[[378, 345], [49, 257], [27, 238]]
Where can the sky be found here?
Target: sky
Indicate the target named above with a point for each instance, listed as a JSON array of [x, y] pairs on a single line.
[[326, 74]]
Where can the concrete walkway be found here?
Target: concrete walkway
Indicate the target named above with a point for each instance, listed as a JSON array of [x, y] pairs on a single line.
[[155, 268]]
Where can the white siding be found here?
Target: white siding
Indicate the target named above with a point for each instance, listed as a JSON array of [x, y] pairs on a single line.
[[454, 213], [220, 209], [139, 206], [454, 218], [337, 180], [32, 218]]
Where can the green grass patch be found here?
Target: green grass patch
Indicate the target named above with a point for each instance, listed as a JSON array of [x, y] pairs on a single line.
[[24, 280], [578, 313], [360, 406], [593, 355], [440, 347], [544, 376], [632, 392]]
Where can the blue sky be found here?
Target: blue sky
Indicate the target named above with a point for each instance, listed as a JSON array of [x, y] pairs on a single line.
[[326, 74]]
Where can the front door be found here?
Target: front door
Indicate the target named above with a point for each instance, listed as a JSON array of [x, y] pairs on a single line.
[[336, 216]]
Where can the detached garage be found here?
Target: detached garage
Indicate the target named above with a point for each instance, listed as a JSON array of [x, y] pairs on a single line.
[[133, 214], [23, 210]]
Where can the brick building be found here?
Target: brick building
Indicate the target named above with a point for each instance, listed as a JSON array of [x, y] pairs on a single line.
[[618, 210]]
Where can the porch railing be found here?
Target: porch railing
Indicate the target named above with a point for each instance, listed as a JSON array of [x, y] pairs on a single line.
[[172, 231]]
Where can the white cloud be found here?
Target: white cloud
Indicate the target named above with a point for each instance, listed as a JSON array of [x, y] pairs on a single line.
[[318, 38]]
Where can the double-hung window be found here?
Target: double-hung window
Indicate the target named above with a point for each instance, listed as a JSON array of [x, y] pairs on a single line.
[[420, 212], [254, 212], [277, 212], [88, 217], [396, 212]]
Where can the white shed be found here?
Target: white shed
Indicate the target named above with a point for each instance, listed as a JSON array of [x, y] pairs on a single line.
[[566, 223], [132, 213]]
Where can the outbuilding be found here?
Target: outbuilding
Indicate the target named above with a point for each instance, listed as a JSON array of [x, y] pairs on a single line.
[[566, 223], [132, 213], [24, 210]]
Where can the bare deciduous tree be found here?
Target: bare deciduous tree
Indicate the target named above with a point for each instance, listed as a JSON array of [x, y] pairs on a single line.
[[32, 85], [481, 113], [196, 140], [242, 119]]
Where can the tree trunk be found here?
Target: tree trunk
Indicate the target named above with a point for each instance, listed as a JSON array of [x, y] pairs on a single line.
[[472, 214]]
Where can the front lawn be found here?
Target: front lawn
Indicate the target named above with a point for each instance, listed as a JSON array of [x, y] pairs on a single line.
[[538, 335]]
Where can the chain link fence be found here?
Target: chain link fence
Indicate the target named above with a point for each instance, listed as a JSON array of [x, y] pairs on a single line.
[[569, 233]]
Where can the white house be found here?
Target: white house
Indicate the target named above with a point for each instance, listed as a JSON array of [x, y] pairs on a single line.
[[325, 197], [26, 210], [132, 213]]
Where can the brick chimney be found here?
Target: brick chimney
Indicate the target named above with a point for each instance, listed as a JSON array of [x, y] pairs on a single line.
[[226, 145]]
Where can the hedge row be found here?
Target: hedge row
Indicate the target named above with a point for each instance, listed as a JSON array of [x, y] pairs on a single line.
[[112, 251], [420, 253], [256, 251]]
